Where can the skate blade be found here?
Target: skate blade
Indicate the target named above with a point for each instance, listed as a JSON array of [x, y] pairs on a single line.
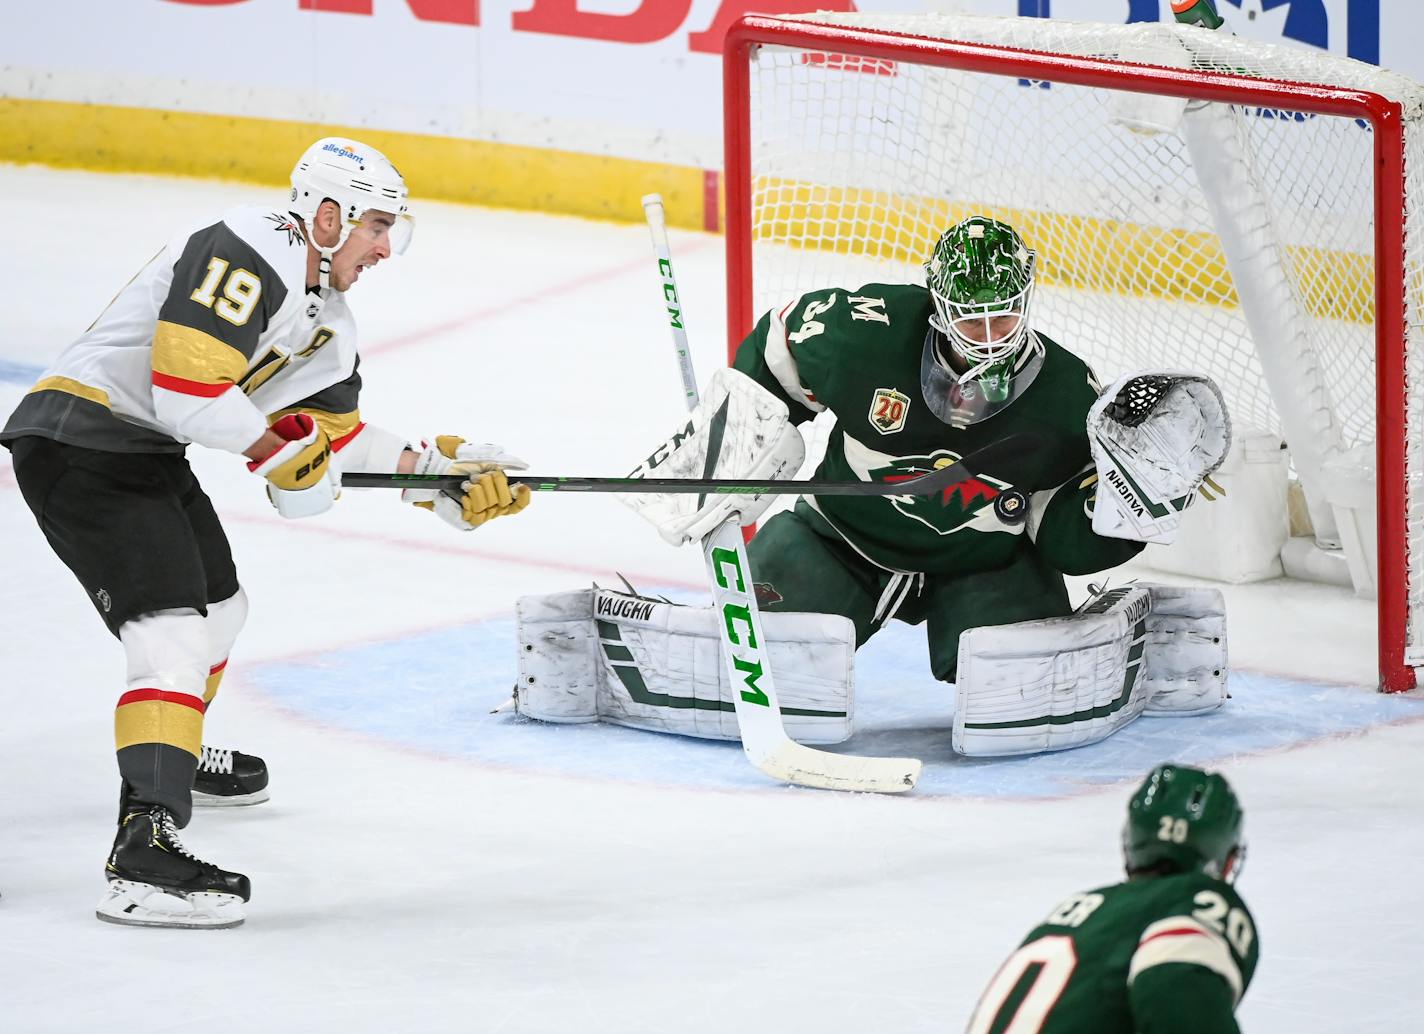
[[213, 800], [141, 904]]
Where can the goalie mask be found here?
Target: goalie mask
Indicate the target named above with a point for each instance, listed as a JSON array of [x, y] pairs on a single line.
[[359, 179], [1184, 819], [979, 355]]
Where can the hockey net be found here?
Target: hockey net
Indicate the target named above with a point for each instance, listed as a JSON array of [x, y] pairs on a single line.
[[1197, 201]]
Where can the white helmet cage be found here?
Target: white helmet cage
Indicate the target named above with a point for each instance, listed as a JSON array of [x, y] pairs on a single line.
[[359, 179], [984, 348]]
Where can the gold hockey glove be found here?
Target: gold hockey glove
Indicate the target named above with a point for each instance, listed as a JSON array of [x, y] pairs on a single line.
[[485, 498], [302, 479]]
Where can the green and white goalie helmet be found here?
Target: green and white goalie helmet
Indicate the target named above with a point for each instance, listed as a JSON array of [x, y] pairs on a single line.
[[358, 178], [1183, 819], [980, 276], [980, 355]]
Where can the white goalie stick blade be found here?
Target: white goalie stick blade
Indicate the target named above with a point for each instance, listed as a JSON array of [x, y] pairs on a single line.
[[142, 904], [764, 739], [793, 762]]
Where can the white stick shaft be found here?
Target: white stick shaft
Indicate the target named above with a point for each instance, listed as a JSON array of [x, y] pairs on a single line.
[[729, 573], [657, 224], [758, 709]]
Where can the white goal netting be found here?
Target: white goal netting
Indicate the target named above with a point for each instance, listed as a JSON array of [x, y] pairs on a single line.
[[1234, 239]]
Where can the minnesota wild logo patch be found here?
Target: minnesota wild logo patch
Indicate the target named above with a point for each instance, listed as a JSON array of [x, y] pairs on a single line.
[[950, 509]]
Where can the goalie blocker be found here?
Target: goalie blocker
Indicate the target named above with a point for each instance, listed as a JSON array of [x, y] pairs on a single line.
[[595, 654]]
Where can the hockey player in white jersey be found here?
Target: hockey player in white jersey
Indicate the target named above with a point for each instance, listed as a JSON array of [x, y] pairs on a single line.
[[236, 337]]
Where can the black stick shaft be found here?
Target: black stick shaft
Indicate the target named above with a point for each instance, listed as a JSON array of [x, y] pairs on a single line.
[[995, 456]]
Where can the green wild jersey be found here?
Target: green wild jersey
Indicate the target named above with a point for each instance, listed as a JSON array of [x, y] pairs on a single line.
[[1172, 953], [858, 353]]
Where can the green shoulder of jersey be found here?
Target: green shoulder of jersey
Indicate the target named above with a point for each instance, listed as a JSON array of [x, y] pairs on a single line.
[[817, 349], [1096, 945], [858, 352]]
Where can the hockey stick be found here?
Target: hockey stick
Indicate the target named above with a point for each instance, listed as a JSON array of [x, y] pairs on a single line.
[[754, 698], [996, 455]]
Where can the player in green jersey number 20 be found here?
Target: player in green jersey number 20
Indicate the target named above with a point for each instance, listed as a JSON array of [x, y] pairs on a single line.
[[1169, 951], [918, 378]]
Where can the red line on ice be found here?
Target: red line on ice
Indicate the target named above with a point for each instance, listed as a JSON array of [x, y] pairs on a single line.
[[420, 337]]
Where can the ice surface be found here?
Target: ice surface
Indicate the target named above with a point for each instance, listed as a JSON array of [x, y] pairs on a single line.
[[425, 865]]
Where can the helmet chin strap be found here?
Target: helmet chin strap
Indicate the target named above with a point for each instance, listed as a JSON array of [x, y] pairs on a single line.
[[323, 268], [325, 255]]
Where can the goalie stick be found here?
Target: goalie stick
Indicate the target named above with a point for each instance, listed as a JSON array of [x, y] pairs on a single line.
[[754, 698], [998, 456]]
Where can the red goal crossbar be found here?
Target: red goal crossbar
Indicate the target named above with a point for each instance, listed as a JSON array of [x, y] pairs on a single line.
[[1384, 116]]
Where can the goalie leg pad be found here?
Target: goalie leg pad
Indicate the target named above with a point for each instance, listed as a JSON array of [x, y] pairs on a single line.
[[558, 657], [595, 654], [1185, 668], [1065, 682], [1045, 685]]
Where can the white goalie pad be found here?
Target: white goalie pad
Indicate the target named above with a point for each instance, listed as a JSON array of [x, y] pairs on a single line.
[[1155, 437], [1185, 668], [738, 430], [597, 655], [1066, 682]]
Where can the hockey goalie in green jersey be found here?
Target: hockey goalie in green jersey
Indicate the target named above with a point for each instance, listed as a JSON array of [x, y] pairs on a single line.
[[1171, 950], [918, 378]]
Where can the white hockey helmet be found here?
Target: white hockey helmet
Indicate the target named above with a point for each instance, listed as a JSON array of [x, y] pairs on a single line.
[[359, 179]]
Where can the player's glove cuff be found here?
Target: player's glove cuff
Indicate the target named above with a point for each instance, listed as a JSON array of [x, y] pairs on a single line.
[[302, 479]]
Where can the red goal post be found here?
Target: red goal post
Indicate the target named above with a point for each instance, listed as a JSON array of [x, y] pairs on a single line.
[[851, 140]]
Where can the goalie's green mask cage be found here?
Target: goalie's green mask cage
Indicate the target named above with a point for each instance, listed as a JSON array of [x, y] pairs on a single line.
[[980, 355]]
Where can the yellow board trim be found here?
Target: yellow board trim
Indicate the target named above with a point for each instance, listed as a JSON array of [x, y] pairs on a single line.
[[195, 355], [1106, 255], [72, 387], [158, 721], [108, 138], [1082, 252]]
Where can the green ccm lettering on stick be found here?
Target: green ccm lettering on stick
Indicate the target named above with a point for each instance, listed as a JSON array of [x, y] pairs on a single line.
[[728, 558], [736, 612], [751, 671]]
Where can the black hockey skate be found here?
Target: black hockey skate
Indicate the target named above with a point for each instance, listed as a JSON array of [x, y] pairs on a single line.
[[227, 778], [155, 881]]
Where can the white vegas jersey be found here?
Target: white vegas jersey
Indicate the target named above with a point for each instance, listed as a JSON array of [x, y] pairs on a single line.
[[215, 338]]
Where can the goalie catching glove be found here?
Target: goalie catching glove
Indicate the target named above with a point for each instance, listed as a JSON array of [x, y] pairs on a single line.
[[1155, 438], [738, 430], [485, 496]]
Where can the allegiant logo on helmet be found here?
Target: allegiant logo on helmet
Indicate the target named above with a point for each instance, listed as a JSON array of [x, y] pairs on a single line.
[[342, 151]]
